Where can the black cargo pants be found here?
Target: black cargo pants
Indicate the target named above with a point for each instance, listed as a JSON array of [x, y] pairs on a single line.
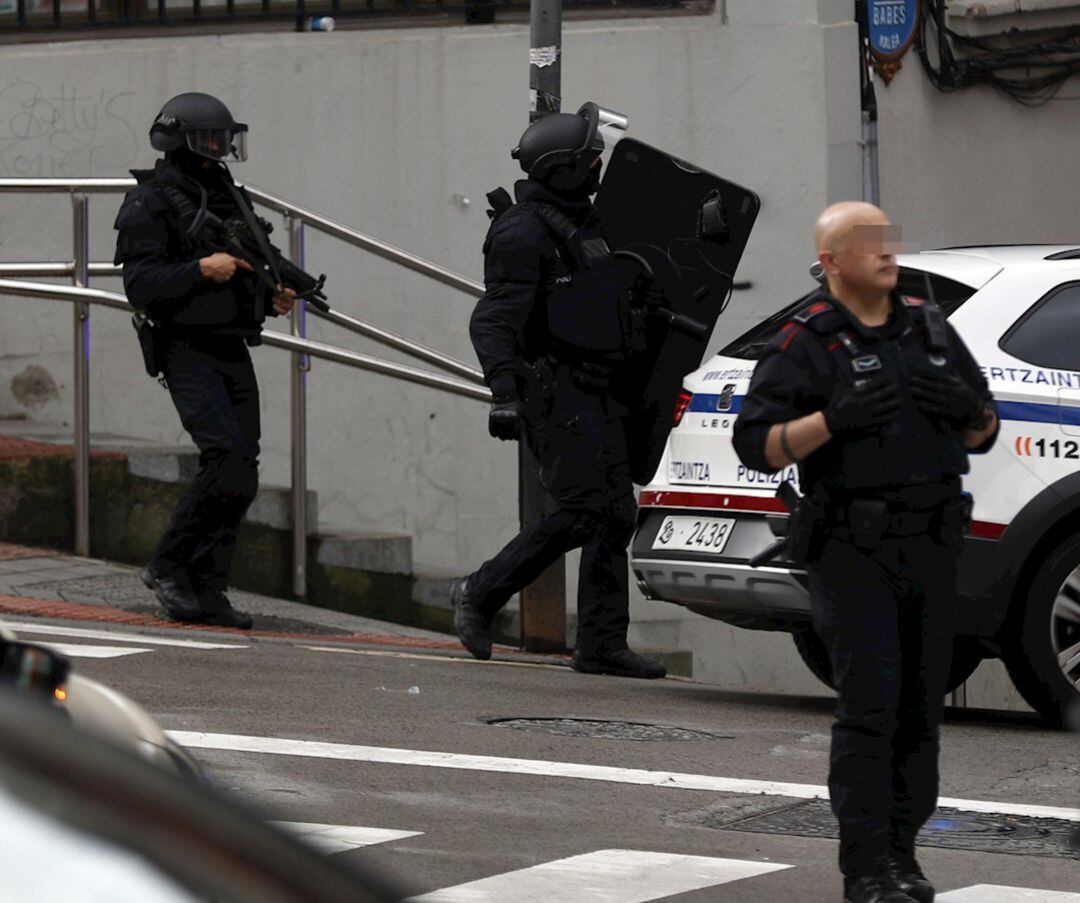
[[213, 386], [579, 439], [887, 619]]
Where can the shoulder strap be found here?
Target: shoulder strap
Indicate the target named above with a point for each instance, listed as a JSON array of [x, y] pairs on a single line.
[[820, 317], [823, 319], [256, 229], [585, 253]]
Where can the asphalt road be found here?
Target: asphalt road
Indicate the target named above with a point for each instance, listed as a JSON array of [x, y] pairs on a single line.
[[473, 815]]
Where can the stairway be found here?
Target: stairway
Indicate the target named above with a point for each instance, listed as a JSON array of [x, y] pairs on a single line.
[[134, 486]]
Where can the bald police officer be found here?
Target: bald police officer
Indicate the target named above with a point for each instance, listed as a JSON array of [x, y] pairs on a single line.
[[879, 402]]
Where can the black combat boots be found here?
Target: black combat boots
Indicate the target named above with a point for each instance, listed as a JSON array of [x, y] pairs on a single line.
[[905, 871], [620, 663], [175, 595], [876, 888], [471, 626]]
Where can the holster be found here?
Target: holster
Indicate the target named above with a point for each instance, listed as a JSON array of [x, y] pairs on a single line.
[[148, 332], [955, 519], [868, 521], [804, 525], [802, 538]]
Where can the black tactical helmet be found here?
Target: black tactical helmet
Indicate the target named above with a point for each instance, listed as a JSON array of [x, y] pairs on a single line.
[[560, 148], [202, 124]]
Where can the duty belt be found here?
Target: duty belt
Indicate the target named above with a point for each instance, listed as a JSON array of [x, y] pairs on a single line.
[[865, 522], [893, 523]]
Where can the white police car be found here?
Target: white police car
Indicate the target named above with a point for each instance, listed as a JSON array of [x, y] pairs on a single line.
[[1018, 309]]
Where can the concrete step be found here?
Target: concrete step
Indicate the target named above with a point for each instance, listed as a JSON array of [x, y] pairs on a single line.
[[168, 464], [134, 487]]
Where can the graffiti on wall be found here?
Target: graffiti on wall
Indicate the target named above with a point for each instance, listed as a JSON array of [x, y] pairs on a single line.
[[65, 130]]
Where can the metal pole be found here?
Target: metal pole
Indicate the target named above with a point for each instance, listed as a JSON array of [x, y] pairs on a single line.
[[300, 366], [543, 603], [81, 278], [545, 58], [870, 181]]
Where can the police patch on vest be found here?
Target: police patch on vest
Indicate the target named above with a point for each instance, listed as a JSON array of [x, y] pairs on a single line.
[[866, 364]]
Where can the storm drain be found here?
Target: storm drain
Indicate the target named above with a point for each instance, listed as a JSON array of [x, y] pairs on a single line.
[[603, 730], [949, 828]]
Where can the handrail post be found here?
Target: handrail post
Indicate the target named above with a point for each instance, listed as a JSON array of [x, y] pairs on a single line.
[[300, 367], [81, 278]]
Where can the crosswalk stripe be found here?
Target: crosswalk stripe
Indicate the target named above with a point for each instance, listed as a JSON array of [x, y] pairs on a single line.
[[673, 780], [997, 893], [341, 838], [77, 650], [605, 876], [115, 636]]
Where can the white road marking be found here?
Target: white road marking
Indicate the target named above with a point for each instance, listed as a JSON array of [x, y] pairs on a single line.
[[75, 650], [606, 876], [996, 893], [674, 780], [87, 633], [341, 838]]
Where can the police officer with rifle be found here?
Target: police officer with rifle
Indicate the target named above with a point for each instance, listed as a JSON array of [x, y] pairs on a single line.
[[202, 277], [879, 402], [555, 335]]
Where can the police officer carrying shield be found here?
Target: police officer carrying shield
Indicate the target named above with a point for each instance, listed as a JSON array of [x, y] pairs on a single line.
[[199, 308], [553, 333], [879, 402]]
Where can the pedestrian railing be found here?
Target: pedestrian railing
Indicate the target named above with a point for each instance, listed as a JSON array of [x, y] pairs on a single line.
[[307, 15], [465, 381]]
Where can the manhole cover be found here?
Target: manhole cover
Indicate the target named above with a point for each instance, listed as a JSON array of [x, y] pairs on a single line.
[[949, 828], [603, 730]]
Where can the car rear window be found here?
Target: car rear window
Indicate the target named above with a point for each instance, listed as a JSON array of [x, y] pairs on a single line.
[[1048, 335], [948, 294]]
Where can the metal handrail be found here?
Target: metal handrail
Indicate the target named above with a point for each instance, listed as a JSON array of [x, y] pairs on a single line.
[[80, 269], [366, 242], [277, 204], [114, 301], [360, 327]]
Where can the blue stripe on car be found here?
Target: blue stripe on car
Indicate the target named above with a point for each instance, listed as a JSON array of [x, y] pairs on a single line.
[[707, 404], [1007, 410]]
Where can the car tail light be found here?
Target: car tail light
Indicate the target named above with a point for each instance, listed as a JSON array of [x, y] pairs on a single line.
[[682, 404]]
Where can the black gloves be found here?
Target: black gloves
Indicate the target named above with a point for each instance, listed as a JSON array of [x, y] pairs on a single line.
[[862, 409], [947, 398], [504, 418]]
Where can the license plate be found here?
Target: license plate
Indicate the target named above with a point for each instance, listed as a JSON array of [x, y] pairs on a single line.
[[694, 534]]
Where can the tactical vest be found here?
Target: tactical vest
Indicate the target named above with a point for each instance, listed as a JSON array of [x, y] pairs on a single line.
[[912, 449], [582, 294]]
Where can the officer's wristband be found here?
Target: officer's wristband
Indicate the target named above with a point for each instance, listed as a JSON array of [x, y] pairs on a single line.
[[785, 446]]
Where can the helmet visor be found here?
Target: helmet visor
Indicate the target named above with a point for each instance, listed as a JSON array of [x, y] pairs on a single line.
[[611, 127], [606, 128], [227, 145]]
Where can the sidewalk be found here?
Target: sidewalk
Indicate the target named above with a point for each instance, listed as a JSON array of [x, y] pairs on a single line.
[[50, 584]]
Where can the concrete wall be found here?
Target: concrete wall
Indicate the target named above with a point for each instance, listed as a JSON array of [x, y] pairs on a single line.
[[976, 166]]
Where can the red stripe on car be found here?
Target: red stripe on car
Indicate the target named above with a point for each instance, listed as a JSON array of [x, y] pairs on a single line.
[[725, 501]]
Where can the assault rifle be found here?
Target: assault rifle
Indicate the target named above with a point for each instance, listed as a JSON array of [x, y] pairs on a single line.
[[238, 238]]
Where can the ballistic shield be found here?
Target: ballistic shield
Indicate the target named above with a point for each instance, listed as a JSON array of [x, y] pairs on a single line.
[[687, 228]]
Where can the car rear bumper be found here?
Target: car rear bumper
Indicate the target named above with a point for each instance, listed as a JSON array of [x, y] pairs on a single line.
[[773, 597]]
